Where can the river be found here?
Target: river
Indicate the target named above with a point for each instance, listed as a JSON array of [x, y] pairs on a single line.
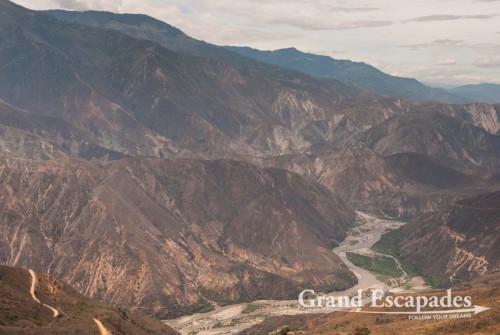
[[231, 320]]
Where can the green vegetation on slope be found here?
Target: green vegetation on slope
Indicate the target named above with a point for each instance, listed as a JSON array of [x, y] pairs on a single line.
[[389, 245], [382, 265]]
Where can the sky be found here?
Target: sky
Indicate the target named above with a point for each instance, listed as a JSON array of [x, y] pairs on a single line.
[[440, 42]]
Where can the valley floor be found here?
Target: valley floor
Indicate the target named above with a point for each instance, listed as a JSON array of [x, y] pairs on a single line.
[[234, 318]]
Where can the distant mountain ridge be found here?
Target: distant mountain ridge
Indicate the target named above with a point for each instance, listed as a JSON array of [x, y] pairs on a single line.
[[357, 74], [146, 27], [488, 93]]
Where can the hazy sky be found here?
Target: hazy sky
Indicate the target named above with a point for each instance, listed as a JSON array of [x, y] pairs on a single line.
[[442, 42]]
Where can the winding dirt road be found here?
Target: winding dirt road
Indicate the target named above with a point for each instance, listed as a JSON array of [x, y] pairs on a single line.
[[55, 312], [101, 327]]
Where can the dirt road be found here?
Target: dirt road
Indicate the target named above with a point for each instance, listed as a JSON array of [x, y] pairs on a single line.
[[55, 312]]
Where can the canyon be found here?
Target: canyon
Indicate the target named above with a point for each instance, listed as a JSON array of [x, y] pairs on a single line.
[[169, 176]]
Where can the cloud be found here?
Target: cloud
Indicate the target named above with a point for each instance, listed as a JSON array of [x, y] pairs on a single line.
[[429, 18], [114, 5], [446, 62], [303, 15], [328, 25], [435, 43], [492, 61], [326, 52], [439, 76]]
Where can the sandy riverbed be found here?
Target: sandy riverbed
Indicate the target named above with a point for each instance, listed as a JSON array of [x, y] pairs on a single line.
[[231, 319]]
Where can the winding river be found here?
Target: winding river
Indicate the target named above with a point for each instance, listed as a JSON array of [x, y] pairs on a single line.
[[231, 319]]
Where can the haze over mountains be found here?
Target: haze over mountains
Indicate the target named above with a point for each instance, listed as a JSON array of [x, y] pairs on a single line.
[[369, 78], [489, 93], [157, 172], [356, 74]]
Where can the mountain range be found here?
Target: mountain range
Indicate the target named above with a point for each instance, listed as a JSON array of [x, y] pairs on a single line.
[[489, 93], [163, 174], [370, 78], [361, 75], [233, 233]]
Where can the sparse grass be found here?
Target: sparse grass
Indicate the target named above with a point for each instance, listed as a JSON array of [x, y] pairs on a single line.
[[226, 302], [356, 224], [201, 307], [332, 287], [398, 219], [235, 322], [218, 324], [250, 308]]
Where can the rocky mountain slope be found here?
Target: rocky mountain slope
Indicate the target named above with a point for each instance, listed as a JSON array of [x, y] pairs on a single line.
[[456, 244], [137, 98], [21, 314], [450, 140], [328, 126], [146, 27], [36, 136], [162, 235], [405, 184]]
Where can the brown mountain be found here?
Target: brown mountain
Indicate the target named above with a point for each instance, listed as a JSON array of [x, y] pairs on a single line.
[[400, 185], [161, 235], [456, 244], [135, 97], [486, 116], [35, 136], [450, 140], [164, 236], [425, 170], [20, 314]]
